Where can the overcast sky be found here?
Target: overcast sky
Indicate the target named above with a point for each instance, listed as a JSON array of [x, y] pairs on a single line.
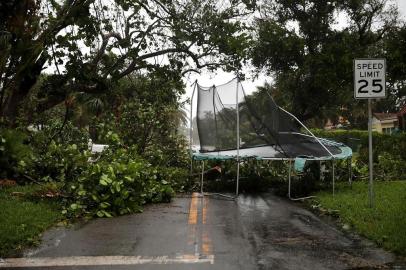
[[402, 8]]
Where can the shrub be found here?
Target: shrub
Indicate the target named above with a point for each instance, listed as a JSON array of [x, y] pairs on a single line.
[[254, 175], [176, 177], [13, 149], [171, 153], [119, 181], [57, 162], [391, 166], [117, 185], [388, 151], [66, 135]]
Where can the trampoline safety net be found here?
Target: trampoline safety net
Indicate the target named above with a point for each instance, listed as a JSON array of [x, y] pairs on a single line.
[[264, 129]]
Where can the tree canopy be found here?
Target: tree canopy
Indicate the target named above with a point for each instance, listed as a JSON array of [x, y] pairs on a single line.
[[310, 56], [89, 45], [62, 49]]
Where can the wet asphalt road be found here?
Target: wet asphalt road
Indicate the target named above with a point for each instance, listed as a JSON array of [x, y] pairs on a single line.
[[254, 232]]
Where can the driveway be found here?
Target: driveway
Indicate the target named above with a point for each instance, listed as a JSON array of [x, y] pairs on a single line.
[[193, 232]]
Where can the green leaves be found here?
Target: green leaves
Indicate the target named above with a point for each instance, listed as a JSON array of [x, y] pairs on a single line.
[[105, 180], [120, 183], [299, 43], [102, 213], [15, 155], [105, 205], [389, 155]]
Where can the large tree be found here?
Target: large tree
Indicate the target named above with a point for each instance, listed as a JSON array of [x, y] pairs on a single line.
[[89, 45], [311, 58], [394, 50]]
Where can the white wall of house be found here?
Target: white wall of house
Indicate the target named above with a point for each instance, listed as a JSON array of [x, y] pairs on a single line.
[[384, 126]]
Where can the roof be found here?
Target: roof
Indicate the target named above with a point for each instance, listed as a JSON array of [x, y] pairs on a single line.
[[386, 116]]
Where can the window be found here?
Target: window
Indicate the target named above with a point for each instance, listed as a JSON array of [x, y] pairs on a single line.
[[388, 130]]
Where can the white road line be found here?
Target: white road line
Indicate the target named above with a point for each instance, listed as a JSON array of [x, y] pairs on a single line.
[[103, 260]]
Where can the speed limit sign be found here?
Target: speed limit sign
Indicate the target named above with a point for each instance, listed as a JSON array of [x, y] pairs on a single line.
[[369, 83], [369, 78]]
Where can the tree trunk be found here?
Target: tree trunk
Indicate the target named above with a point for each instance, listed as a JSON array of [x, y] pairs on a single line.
[[11, 107], [19, 90]]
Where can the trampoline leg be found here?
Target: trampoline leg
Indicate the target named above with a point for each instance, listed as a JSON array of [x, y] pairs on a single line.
[[238, 178], [334, 177], [289, 177], [201, 183], [191, 166], [350, 171]]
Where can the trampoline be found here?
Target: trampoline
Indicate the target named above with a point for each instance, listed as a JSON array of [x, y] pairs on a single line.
[[234, 125]]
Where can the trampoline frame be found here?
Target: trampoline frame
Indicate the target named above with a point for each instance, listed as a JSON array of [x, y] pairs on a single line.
[[238, 158]]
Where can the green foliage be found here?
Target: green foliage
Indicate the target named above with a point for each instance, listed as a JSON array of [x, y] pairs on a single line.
[[54, 154], [255, 176], [190, 35], [143, 162], [259, 176], [117, 182], [56, 162], [391, 166], [13, 149], [176, 177], [311, 59], [395, 53], [384, 223], [53, 130], [120, 183], [388, 151], [143, 124], [169, 152]]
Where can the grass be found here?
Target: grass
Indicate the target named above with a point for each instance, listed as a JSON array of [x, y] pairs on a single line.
[[23, 217], [385, 224]]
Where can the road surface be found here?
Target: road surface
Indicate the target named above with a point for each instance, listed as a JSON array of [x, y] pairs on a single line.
[[194, 232]]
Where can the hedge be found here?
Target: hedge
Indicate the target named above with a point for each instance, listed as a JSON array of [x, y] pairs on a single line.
[[389, 151]]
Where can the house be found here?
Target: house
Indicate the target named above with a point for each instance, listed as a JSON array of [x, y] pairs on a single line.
[[385, 122], [342, 122], [402, 118]]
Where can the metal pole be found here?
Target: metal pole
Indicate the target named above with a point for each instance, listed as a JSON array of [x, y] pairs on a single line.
[[334, 178], [238, 140], [191, 129], [317, 139], [349, 170], [201, 183], [371, 164], [290, 174], [238, 177]]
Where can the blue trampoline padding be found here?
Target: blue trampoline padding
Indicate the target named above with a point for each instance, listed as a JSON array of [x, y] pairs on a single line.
[[346, 152], [260, 153], [202, 156], [300, 162]]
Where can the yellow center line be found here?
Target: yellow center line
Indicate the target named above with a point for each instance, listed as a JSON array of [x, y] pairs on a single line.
[[192, 221], [206, 240], [193, 209], [205, 257], [204, 211], [202, 238]]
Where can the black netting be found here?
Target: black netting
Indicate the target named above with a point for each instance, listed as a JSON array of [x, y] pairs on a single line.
[[262, 124]]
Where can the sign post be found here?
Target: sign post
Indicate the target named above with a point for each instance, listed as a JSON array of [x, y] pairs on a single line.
[[371, 158], [370, 83]]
